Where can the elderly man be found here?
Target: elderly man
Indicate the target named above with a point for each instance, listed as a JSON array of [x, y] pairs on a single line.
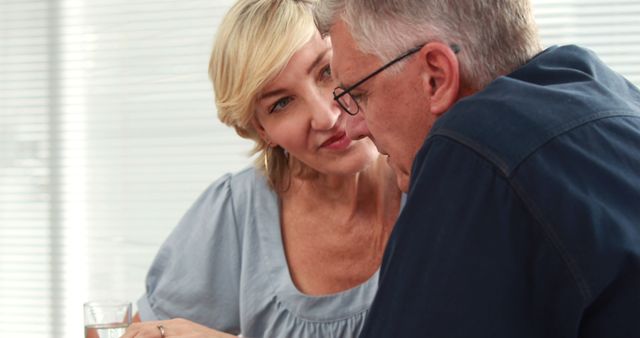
[[522, 168]]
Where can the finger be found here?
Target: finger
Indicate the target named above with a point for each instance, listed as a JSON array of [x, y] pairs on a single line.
[[132, 330], [143, 330]]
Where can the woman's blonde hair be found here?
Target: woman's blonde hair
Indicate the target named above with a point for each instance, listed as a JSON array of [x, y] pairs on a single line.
[[254, 43]]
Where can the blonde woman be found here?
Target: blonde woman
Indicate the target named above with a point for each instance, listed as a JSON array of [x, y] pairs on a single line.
[[292, 246]]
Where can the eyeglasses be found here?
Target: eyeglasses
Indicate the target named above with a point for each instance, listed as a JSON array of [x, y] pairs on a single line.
[[343, 95]]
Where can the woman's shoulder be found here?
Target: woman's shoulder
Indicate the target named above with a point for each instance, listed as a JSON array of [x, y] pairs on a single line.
[[235, 195], [224, 207], [246, 181]]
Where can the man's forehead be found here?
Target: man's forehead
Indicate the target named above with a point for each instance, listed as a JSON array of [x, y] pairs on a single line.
[[347, 58]]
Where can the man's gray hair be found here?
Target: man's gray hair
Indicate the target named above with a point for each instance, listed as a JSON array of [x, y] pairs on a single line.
[[495, 36]]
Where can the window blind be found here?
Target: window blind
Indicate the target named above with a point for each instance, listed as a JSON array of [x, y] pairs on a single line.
[[610, 28], [26, 256], [108, 132]]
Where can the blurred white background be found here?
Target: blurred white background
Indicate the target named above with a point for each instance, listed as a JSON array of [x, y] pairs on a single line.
[[108, 132]]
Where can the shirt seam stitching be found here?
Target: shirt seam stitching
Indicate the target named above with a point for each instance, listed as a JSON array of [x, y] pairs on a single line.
[[297, 316], [554, 239], [550, 135], [547, 229]]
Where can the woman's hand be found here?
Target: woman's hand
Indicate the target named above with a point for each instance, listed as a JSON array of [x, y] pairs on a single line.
[[173, 328]]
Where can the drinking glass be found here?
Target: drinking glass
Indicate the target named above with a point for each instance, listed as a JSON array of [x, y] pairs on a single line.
[[106, 319]]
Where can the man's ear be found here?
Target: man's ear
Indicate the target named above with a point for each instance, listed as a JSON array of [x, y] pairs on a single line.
[[441, 76]]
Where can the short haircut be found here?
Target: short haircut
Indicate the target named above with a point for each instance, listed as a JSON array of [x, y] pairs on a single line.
[[495, 36]]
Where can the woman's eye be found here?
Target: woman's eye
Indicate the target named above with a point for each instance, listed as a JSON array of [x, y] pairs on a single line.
[[280, 104], [326, 72]]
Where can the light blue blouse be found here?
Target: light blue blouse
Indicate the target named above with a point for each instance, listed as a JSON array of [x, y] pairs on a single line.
[[224, 266]]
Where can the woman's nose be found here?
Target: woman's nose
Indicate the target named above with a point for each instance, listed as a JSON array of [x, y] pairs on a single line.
[[325, 112]]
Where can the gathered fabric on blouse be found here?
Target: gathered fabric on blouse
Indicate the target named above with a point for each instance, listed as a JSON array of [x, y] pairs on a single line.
[[224, 267]]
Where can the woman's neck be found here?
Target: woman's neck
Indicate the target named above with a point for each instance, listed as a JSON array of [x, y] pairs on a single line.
[[335, 229], [372, 187]]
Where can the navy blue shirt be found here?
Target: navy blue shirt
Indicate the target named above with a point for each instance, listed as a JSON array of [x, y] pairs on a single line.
[[523, 215]]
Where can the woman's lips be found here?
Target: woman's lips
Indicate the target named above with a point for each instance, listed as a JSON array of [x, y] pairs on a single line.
[[337, 142]]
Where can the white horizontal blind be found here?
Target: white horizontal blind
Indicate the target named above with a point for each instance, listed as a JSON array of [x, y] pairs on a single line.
[[610, 28], [142, 140], [27, 295], [108, 133]]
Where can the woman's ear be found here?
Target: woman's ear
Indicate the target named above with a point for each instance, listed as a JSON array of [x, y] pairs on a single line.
[[441, 76]]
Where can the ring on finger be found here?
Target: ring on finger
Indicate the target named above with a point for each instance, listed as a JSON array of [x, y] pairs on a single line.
[[161, 328]]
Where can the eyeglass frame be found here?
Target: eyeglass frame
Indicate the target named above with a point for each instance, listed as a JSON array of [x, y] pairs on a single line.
[[347, 91]]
